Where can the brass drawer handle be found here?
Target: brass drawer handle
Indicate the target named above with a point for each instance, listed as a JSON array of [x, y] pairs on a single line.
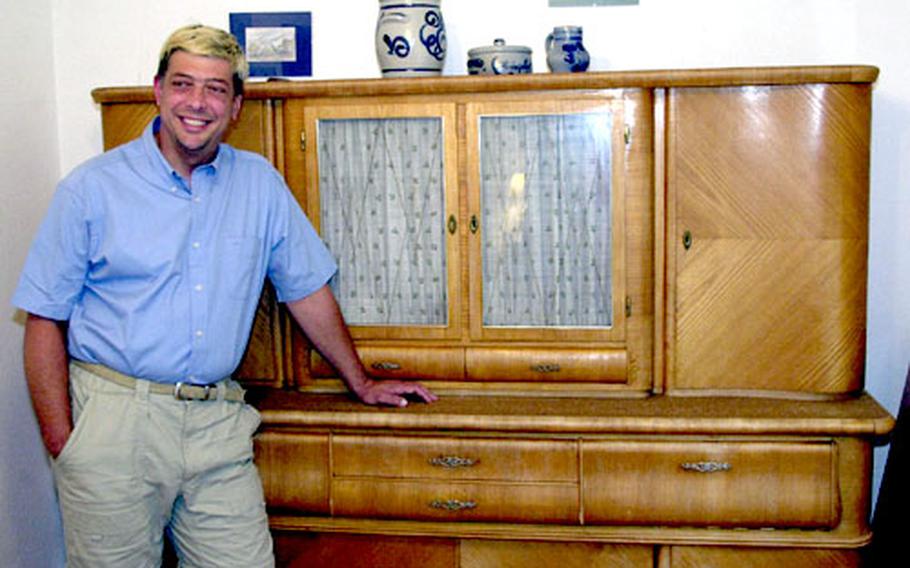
[[452, 505], [546, 368], [386, 366], [706, 466], [452, 462]]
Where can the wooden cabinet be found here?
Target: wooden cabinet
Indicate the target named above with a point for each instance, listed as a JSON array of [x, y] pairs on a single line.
[[483, 239], [767, 227], [640, 295]]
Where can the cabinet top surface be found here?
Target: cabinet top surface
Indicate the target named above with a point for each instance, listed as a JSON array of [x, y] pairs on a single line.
[[859, 416], [716, 77]]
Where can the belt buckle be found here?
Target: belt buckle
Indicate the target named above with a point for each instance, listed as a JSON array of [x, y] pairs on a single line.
[[207, 391]]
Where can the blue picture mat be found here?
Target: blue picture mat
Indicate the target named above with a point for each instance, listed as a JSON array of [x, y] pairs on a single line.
[[268, 30]]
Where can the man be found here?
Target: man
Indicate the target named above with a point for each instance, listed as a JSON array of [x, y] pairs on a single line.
[[140, 288]]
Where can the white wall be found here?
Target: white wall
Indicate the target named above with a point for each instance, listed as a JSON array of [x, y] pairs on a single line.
[[29, 526], [886, 44], [103, 43]]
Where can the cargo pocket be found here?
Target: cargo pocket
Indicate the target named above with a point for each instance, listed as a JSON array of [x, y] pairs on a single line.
[[109, 536]]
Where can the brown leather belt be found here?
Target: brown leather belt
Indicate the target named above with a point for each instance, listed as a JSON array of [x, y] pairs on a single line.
[[180, 391]]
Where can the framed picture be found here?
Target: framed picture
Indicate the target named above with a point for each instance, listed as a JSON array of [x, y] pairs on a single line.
[[277, 44]]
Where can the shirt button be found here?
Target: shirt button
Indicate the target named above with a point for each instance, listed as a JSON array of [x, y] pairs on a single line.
[[199, 333], [173, 189], [196, 245], [197, 199], [198, 287]]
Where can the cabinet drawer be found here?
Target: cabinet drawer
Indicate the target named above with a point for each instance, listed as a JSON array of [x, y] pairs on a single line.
[[389, 362], [742, 557], [726, 484], [532, 364], [455, 458], [294, 470], [512, 554], [456, 501]]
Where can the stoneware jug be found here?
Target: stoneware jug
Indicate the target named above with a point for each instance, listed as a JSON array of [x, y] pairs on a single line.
[[499, 59], [410, 38], [565, 52]]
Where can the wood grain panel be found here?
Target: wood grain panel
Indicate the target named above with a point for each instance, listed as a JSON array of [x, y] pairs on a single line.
[[770, 237], [772, 162], [771, 315], [510, 554], [641, 214], [253, 131], [478, 459], [728, 557], [295, 550], [262, 363], [456, 500], [294, 470], [546, 364], [703, 484]]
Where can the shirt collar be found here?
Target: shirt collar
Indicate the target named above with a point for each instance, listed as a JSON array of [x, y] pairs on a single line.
[[168, 174]]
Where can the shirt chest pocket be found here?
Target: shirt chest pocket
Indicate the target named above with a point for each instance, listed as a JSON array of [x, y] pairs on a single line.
[[240, 267]]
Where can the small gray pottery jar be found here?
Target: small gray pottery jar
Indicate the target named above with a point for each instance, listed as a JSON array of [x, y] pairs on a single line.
[[499, 59], [565, 52]]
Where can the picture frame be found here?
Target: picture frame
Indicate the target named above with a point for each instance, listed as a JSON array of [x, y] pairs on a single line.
[[276, 44]]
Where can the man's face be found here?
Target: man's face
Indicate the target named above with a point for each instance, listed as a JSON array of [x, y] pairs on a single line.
[[197, 103]]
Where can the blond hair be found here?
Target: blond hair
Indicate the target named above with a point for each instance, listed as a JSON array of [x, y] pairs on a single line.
[[211, 42]]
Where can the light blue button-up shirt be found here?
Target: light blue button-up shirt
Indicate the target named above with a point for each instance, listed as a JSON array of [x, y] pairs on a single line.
[[160, 279]]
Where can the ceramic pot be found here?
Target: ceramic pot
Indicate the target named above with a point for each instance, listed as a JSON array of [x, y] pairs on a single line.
[[565, 52], [410, 38], [499, 59]]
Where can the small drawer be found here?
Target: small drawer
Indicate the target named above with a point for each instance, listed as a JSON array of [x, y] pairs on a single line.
[[456, 501], [295, 470], [389, 362], [558, 365], [723, 484], [455, 458]]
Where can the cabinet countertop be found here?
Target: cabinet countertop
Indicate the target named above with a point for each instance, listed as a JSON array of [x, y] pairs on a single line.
[[654, 415]]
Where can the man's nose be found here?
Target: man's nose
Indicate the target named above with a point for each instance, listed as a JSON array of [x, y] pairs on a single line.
[[196, 98]]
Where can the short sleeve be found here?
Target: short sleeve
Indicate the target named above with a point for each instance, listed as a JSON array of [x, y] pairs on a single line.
[[299, 263], [56, 265]]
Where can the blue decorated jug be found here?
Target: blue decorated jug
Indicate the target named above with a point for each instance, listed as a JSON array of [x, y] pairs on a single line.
[[410, 38], [565, 52]]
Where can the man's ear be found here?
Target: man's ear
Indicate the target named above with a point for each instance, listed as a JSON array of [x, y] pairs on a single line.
[[235, 107], [157, 88]]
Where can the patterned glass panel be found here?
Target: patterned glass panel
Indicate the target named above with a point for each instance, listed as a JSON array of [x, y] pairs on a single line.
[[381, 187], [545, 196]]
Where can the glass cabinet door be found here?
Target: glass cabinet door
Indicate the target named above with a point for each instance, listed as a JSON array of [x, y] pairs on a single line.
[[547, 206], [383, 200]]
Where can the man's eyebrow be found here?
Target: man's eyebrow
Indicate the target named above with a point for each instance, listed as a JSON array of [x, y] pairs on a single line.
[[183, 75]]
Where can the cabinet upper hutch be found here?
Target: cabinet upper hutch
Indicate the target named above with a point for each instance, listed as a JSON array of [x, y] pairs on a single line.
[[640, 295]]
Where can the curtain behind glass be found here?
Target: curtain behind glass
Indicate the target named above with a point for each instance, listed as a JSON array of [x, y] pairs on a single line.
[[545, 193], [381, 187]]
